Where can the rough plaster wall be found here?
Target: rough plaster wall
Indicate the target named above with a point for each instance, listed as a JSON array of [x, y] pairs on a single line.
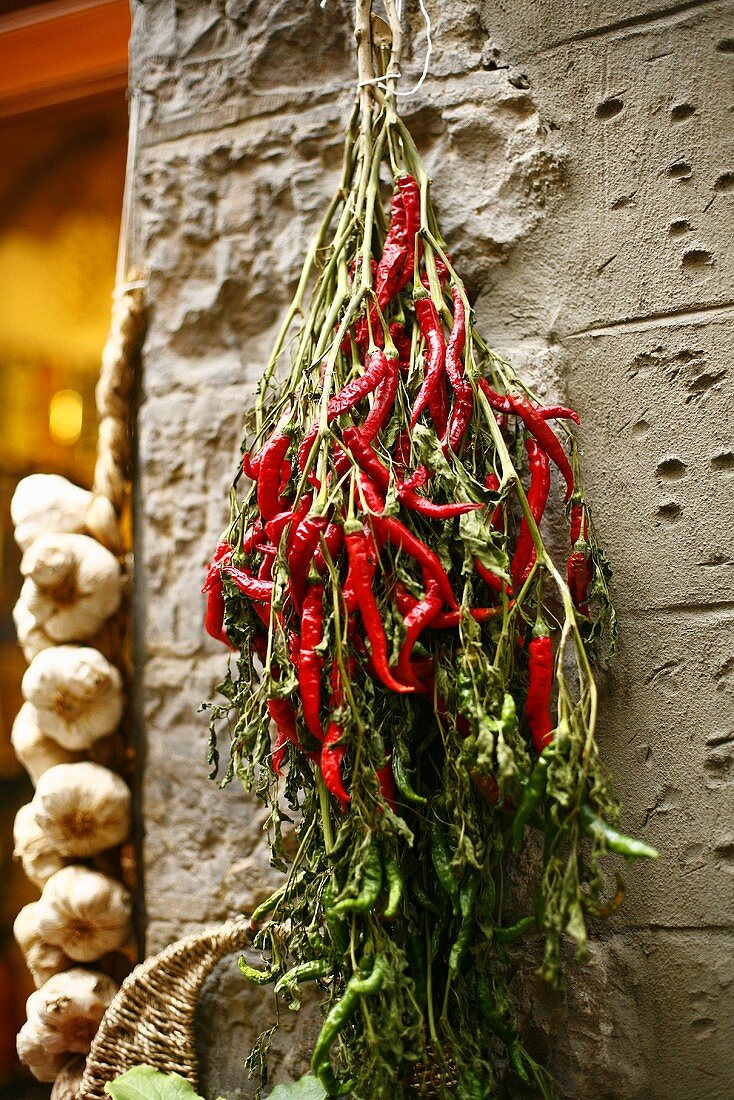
[[583, 175]]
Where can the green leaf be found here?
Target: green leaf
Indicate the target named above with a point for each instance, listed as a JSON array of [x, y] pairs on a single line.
[[306, 1088], [483, 542], [146, 1083]]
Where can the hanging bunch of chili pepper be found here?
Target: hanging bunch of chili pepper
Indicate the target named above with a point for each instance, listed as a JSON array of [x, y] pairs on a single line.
[[413, 668]]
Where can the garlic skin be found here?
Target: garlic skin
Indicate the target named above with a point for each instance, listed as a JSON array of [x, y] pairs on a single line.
[[32, 638], [68, 1009], [42, 959], [66, 1085], [47, 502], [73, 585], [82, 809], [77, 694], [39, 859], [36, 751], [85, 913], [30, 1043]]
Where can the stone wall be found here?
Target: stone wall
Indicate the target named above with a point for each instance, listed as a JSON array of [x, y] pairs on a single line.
[[583, 171]]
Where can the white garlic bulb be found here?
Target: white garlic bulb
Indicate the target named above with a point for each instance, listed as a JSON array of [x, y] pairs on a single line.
[[47, 502], [85, 913], [73, 585], [67, 1010], [36, 751], [66, 1085], [31, 1046], [39, 859], [82, 808], [77, 693], [42, 959], [32, 638]]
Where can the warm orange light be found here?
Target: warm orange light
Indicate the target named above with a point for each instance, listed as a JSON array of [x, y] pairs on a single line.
[[65, 415]]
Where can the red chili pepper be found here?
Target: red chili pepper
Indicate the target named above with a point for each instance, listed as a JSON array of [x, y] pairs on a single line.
[[463, 407], [447, 619], [332, 754], [540, 686], [275, 527], [401, 340], [545, 436], [376, 366], [388, 275], [366, 458], [405, 601], [362, 554], [558, 412], [393, 531], [214, 617], [387, 785], [490, 579], [294, 648], [272, 457], [412, 203], [260, 591], [279, 751], [300, 551], [416, 620], [433, 390], [334, 540], [282, 713], [579, 575], [442, 273], [417, 480], [524, 557], [492, 482], [401, 451], [250, 466], [501, 403], [310, 662], [384, 400], [579, 522]]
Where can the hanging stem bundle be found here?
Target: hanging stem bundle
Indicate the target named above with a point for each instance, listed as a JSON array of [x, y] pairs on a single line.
[[413, 671]]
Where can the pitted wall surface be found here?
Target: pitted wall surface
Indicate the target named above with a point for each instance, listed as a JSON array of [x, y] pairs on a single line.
[[583, 171]]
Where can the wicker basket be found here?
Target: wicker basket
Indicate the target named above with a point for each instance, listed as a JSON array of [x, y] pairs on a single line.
[[151, 1020]]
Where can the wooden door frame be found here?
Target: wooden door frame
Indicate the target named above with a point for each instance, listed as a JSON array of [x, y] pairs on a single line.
[[58, 52]]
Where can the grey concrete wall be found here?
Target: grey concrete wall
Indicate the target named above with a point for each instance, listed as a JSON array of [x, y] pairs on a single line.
[[584, 176]]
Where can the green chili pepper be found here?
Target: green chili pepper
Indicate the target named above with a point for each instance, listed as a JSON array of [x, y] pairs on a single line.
[[513, 931], [467, 894], [615, 841], [509, 712], [422, 897], [459, 948], [269, 904], [437, 934], [442, 863], [338, 1018], [258, 977], [307, 971], [533, 793], [335, 925], [402, 782], [370, 889], [394, 889]]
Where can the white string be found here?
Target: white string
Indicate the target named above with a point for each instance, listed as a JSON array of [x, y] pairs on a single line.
[[429, 44], [381, 81]]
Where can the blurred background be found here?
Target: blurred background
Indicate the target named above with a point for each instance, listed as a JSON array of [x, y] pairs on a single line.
[[63, 136]]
